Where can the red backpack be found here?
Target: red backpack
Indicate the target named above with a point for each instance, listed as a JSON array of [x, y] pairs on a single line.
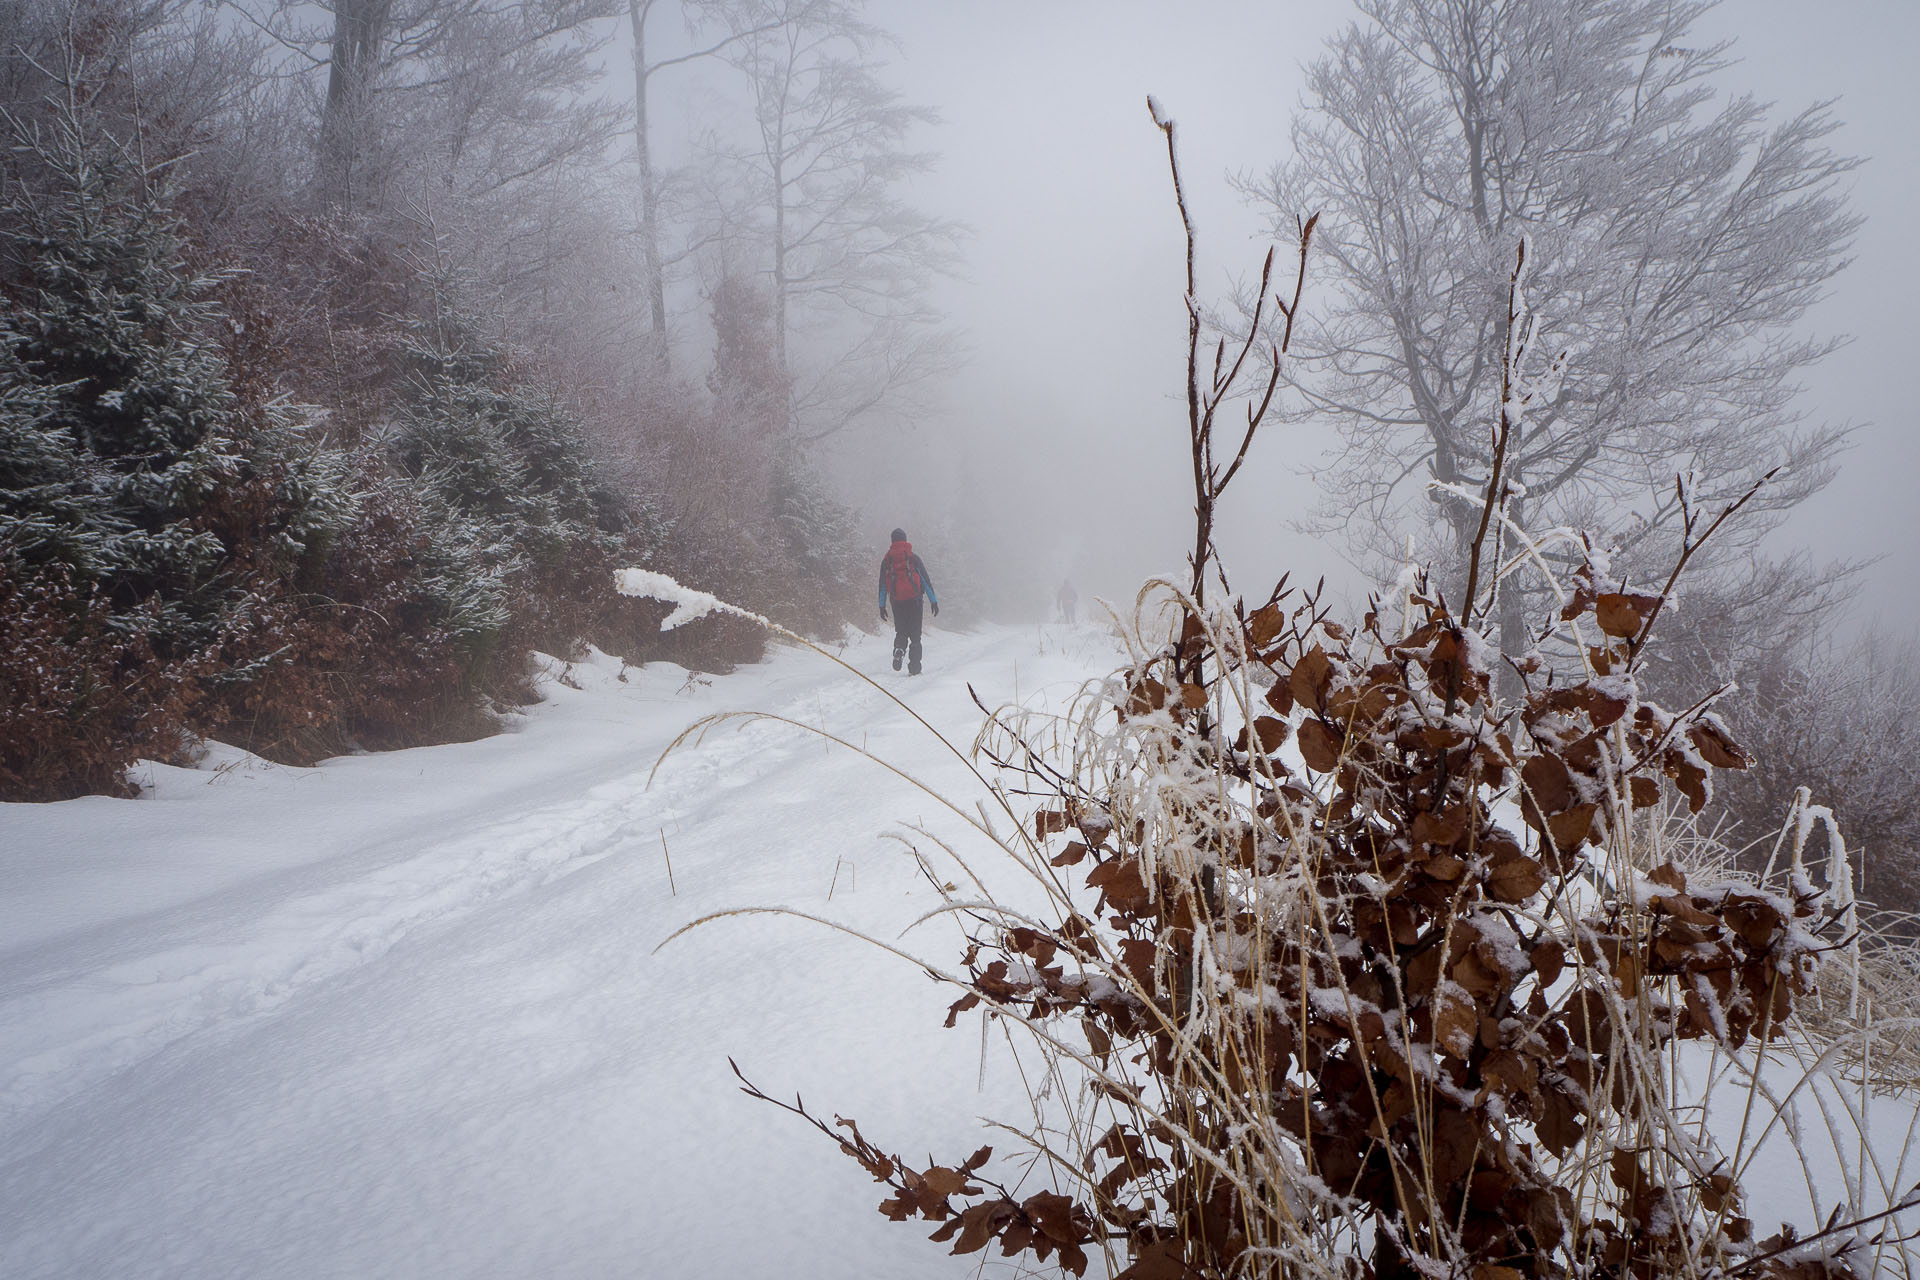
[[903, 580]]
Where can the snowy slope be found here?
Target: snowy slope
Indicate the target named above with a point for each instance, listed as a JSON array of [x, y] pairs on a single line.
[[401, 1015]]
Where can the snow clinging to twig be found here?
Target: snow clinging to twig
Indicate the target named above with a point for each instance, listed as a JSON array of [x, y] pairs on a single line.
[[689, 605]]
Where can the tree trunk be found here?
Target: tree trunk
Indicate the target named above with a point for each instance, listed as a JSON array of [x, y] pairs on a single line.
[[780, 263], [359, 31], [638, 11], [788, 418]]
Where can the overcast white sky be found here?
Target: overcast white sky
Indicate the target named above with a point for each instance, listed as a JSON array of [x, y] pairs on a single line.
[[1072, 300], [1861, 52]]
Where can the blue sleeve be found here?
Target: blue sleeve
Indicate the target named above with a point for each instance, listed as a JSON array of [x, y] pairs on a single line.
[[883, 584], [926, 579]]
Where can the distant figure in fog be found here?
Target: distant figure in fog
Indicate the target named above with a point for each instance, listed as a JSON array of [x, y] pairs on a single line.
[[1067, 598], [903, 580]]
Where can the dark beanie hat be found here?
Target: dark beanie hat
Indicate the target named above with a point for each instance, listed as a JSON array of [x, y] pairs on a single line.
[[899, 535]]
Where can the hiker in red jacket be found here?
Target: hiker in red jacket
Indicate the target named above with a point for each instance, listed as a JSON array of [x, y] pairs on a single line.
[[903, 580]]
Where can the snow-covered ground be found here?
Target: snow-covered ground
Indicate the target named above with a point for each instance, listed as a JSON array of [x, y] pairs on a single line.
[[402, 1015]]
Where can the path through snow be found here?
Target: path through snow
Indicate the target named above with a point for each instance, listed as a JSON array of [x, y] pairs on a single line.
[[400, 1015]]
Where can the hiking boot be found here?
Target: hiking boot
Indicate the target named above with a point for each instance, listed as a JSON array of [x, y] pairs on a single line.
[[897, 655], [913, 671]]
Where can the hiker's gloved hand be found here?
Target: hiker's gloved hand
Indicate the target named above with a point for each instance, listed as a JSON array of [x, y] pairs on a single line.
[[936, 608], [883, 613]]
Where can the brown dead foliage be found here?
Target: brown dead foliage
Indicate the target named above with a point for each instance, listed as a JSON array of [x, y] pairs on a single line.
[[1455, 1018]]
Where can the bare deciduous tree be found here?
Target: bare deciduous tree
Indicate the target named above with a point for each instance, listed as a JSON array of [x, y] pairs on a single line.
[[645, 67], [817, 202], [1677, 239]]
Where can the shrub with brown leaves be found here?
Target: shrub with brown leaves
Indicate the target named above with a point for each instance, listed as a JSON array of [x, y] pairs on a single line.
[[1408, 1007], [82, 692]]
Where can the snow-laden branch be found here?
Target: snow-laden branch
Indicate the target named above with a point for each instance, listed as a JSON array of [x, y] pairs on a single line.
[[688, 605]]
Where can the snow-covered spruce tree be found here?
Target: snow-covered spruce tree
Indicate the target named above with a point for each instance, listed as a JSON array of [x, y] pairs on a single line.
[[827, 571], [140, 497], [49, 499], [524, 523], [79, 698], [113, 327], [216, 566]]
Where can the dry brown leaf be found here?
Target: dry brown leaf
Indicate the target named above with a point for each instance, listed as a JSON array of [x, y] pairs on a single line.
[[1268, 733], [1669, 876], [1689, 777], [1264, 624], [1280, 697], [1456, 1023], [1120, 885], [976, 1226], [1549, 958], [1320, 745], [1310, 677], [1570, 829], [1052, 1216], [960, 1006], [1622, 614], [1048, 821], [1148, 695], [1717, 749], [1516, 879], [1161, 1260], [1601, 708], [1072, 854], [1548, 782], [1440, 829], [1509, 1074], [943, 1181], [1476, 977], [1138, 957], [1559, 1126]]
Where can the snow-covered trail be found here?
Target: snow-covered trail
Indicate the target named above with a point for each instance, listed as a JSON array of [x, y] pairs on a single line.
[[402, 1015]]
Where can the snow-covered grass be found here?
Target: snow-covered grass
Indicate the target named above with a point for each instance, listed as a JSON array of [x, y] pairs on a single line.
[[401, 1015]]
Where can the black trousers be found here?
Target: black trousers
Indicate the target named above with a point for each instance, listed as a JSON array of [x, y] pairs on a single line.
[[906, 631]]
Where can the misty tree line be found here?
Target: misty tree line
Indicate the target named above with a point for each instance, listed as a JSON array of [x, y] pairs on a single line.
[[337, 359], [346, 346]]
